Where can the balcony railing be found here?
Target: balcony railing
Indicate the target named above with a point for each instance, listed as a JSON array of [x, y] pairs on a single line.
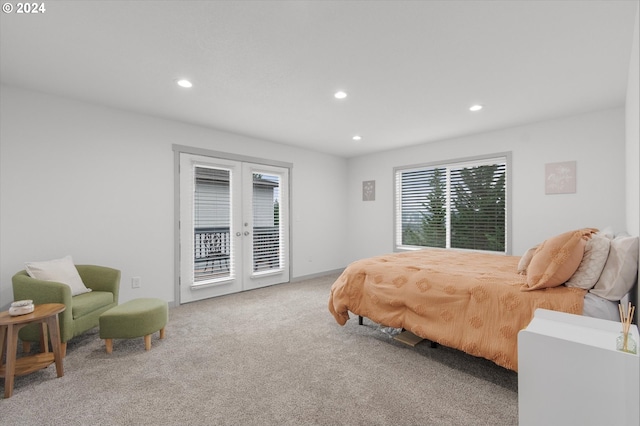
[[212, 251]]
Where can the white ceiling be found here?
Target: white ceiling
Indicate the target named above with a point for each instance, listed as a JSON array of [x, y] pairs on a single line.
[[269, 68]]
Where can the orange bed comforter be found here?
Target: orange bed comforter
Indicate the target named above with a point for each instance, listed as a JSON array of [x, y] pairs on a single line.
[[464, 300]]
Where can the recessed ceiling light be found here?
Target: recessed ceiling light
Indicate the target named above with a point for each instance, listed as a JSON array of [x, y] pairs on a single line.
[[357, 138], [475, 108], [340, 95], [184, 83]]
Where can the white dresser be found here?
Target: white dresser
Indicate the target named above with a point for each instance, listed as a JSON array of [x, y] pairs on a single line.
[[570, 373]]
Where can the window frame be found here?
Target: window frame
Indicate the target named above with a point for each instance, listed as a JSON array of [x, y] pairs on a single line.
[[452, 163]]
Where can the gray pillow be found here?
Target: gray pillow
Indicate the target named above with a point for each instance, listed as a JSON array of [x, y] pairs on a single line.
[[595, 256], [621, 270], [597, 307]]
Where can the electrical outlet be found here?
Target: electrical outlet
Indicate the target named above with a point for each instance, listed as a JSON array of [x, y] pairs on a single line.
[[135, 282]]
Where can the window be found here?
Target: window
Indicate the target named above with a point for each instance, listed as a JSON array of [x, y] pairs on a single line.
[[460, 205], [211, 223], [267, 235]]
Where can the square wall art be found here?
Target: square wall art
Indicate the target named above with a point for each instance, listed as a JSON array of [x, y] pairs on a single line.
[[560, 178]]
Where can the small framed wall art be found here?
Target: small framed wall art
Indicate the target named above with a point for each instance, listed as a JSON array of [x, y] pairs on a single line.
[[560, 178], [369, 190]]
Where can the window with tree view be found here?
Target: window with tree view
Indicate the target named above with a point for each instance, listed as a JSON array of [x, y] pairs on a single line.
[[459, 205]]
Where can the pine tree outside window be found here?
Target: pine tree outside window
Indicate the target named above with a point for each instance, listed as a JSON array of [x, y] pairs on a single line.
[[459, 205]]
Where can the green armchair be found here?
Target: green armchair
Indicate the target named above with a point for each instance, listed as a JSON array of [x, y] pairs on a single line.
[[82, 311]]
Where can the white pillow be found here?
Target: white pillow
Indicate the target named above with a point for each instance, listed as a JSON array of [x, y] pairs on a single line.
[[607, 232], [58, 270], [621, 270], [525, 260], [595, 256]]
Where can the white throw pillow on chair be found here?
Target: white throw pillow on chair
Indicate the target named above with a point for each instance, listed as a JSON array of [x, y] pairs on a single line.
[[58, 270]]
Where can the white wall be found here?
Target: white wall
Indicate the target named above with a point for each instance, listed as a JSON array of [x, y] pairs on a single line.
[[633, 144], [596, 141], [632, 111], [97, 183]]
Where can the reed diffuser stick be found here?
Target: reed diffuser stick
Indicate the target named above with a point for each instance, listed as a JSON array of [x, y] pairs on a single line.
[[626, 315]]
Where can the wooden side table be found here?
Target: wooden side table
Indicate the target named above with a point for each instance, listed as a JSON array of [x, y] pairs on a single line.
[[45, 314]]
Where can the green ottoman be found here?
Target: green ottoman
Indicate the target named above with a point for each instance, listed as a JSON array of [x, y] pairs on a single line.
[[135, 318]]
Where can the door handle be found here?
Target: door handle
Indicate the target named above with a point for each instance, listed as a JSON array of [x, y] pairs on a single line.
[[238, 234], [246, 233]]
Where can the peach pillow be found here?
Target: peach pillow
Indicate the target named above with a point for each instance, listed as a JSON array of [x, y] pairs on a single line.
[[556, 259]]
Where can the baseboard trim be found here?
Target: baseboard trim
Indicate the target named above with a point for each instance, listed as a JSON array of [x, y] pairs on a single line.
[[318, 275]]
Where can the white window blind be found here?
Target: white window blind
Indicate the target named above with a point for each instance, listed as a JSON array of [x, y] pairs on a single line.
[[212, 220], [268, 242], [212, 198], [455, 205]]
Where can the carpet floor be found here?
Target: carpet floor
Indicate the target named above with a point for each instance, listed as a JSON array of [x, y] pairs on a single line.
[[272, 356]]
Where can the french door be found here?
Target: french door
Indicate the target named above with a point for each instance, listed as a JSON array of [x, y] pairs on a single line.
[[234, 226]]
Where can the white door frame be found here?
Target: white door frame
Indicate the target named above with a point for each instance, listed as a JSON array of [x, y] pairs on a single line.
[[181, 149], [251, 278]]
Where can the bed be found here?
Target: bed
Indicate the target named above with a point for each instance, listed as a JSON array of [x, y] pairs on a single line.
[[477, 302]]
